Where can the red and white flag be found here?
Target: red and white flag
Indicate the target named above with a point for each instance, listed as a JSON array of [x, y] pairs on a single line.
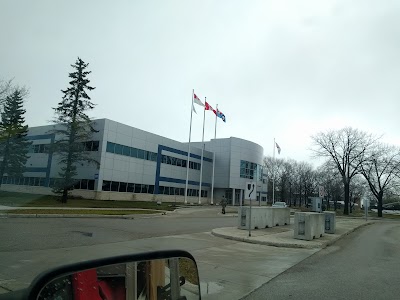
[[209, 107], [197, 100]]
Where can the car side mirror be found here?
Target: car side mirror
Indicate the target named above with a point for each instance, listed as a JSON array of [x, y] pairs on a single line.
[[153, 276]]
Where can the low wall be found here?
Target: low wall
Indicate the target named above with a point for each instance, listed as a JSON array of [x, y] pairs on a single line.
[[262, 217], [281, 216], [330, 221], [309, 225]]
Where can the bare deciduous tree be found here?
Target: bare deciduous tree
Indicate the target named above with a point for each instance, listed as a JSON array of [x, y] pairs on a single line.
[[381, 169], [347, 148]]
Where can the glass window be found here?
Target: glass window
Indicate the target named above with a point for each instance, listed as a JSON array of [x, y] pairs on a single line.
[[164, 159], [91, 184], [173, 161], [130, 187], [151, 189], [154, 156], [46, 148], [118, 149], [144, 188], [95, 145], [161, 190], [114, 186], [77, 185], [126, 151], [122, 187], [242, 164], [138, 188], [110, 147], [134, 152], [140, 154], [84, 184], [184, 163], [106, 185]]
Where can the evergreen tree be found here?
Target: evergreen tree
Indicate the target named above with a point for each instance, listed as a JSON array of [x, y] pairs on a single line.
[[75, 128], [14, 146]]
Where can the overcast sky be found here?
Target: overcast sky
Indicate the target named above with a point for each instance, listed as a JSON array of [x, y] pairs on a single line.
[[276, 68]]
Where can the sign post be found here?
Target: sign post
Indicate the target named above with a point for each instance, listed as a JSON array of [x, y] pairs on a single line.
[[250, 194]]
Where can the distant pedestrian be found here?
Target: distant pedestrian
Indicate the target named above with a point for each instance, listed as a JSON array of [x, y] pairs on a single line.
[[223, 204]]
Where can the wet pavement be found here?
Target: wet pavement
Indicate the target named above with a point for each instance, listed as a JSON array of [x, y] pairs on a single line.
[[229, 269]]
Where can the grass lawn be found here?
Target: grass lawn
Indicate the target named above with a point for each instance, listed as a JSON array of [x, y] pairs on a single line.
[[80, 212], [32, 200]]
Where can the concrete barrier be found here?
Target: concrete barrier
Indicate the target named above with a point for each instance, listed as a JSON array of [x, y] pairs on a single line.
[[263, 217], [281, 216], [330, 221], [309, 225]]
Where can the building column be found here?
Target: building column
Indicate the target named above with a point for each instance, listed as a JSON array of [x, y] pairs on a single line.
[[241, 197], [233, 197]]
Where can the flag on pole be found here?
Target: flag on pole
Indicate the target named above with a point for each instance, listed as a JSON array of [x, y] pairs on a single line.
[[221, 115], [209, 107], [277, 147], [197, 100]]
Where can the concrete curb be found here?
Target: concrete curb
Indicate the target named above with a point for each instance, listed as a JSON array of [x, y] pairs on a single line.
[[293, 244], [135, 216]]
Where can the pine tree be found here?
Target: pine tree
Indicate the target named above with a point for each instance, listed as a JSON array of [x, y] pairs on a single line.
[[75, 128], [14, 145]]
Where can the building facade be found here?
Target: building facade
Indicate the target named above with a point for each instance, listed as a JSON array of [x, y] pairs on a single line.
[[139, 165]]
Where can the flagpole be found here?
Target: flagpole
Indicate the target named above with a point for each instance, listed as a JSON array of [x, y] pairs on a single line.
[[202, 152], [273, 178], [187, 162], [213, 170]]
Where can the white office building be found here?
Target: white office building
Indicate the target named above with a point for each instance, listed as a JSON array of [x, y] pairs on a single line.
[[139, 165]]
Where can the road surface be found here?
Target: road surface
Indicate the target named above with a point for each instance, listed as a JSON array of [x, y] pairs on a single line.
[[22, 234], [364, 265]]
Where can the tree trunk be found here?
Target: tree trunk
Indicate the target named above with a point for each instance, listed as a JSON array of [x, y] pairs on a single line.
[[5, 159], [380, 203], [346, 197]]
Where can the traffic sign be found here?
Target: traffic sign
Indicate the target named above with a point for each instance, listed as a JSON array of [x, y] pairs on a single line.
[[321, 191], [250, 191]]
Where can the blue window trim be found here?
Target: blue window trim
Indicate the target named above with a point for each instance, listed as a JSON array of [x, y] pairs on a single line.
[[169, 149], [175, 180]]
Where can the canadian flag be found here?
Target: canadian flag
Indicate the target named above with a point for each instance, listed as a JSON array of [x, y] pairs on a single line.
[[197, 100], [209, 107]]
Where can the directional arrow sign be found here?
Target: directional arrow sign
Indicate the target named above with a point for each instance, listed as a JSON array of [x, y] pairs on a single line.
[[250, 191]]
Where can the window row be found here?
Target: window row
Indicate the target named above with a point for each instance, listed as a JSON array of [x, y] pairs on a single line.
[[137, 188], [81, 184], [124, 187], [165, 190], [42, 148], [45, 148], [180, 162], [33, 181], [130, 151], [148, 155]]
